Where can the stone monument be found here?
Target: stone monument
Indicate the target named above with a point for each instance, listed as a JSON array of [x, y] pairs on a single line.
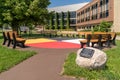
[[91, 58]]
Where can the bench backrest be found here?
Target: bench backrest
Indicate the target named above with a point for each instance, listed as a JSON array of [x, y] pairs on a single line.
[[14, 36], [99, 37], [96, 37], [113, 35], [5, 35], [10, 36], [88, 39]]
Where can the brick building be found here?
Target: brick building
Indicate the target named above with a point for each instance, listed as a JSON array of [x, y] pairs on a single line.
[[96, 11]]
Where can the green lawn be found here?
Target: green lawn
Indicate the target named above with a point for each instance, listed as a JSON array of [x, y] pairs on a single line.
[[11, 57], [111, 71]]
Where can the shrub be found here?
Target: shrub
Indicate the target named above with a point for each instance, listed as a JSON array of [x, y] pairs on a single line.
[[103, 27]]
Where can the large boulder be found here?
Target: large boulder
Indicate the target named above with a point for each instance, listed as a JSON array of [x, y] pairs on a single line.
[[91, 58]]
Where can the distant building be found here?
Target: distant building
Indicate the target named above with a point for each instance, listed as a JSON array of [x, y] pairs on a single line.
[[99, 10], [65, 15]]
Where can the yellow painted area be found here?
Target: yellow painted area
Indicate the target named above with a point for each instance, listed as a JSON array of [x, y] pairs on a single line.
[[40, 40]]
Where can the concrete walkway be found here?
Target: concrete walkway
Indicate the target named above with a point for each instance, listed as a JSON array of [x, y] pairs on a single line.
[[46, 65]]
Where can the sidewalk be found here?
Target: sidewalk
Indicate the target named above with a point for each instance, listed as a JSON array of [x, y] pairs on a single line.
[[46, 65]]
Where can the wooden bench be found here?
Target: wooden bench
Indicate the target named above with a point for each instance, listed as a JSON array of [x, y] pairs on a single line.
[[100, 39], [113, 38], [84, 34], [86, 41], [5, 38], [14, 39], [17, 40], [96, 39], [10, 38]]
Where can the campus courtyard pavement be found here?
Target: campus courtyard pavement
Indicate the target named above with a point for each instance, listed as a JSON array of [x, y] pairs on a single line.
[[46, 65]]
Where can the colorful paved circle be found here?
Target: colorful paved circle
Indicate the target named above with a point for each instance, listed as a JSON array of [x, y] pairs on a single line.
[[49, 43], [55, 45]]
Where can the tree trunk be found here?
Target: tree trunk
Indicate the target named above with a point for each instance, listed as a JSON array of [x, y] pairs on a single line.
[[15, 27]]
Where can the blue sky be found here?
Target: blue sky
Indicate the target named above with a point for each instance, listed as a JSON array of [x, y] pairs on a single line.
[[55, 3]]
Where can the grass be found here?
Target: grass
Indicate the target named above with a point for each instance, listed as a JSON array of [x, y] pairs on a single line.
[[111, 71], [11, 57]]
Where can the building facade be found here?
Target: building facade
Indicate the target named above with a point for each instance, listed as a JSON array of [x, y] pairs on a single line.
[[97, 11], [116, 24], [63, 20], [64, 16]]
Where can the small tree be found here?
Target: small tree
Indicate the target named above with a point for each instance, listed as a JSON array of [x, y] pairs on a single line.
[[68, 20], [51, 22], [56, 20], [103, 26], [61, 23], [96, 28]]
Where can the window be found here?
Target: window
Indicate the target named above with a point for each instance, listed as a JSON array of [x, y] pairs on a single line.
[[106, 6], [94, 17], [104, 9], [72, 21], [82, 20], [65, 15], [107, 13], [107, 1], [101, 3], [87, 14], [72, 14], [78, 14], [78, 21], [94, 11], [78, 17], [82, 16]]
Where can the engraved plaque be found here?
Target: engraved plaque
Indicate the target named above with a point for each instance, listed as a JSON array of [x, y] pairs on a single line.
[[87, 53]]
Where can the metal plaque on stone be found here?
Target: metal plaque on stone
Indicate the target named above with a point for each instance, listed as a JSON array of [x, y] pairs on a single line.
[[87, 53]]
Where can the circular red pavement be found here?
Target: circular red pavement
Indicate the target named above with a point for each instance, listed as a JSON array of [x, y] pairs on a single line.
[[55, 45]]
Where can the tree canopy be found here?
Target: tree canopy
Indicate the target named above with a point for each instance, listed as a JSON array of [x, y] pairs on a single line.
[[18, 12]]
